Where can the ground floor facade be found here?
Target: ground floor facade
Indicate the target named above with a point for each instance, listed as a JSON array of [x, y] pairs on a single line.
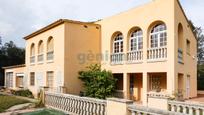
[[137, 86]]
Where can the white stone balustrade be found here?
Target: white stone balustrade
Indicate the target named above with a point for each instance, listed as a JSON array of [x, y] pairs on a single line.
[[117, 58], [142, 110], [186, 108], [72, 104], [135, 56], [157, 54]]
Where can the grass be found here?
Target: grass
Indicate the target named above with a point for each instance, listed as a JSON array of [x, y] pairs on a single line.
[[44, 112], [9, 101]]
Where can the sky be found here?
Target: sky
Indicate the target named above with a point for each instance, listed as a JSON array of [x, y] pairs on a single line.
[[19, 18]]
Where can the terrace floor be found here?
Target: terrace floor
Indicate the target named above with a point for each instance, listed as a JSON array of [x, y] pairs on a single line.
[[199, 99]]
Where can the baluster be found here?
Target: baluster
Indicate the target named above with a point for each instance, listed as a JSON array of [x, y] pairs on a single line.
[[197, 111], [133, 113], [174, 108], [191, 110], [185, 110], [179, 108], [202, 110]]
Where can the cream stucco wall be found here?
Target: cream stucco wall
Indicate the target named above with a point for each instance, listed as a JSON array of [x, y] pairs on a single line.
[[82, 47], [144, 17], [15, 71], [40, 69]]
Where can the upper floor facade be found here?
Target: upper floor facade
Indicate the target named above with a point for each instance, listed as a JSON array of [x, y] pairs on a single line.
[[156, 34]]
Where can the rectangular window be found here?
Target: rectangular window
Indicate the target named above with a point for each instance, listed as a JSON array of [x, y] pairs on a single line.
[[9, 79], [188, 47], [32, 78], [50, 79]]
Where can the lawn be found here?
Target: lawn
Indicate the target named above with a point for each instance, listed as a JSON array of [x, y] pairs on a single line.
[[9, 101]]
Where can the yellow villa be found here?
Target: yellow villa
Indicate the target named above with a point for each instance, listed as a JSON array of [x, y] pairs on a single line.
[[150, 49]]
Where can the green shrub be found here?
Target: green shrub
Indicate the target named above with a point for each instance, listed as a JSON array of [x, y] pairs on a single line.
[[24, 93], [98, 83]]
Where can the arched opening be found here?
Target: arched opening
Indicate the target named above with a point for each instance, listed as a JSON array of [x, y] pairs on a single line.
[[157, 41], [135, 39], [180, 36], [117, 43], [180, 43], [40, 47], [50, 44], [40, 51], [50, 48], [158, 36], [32, 50], [32, 53], [135, 45], [117, 55]]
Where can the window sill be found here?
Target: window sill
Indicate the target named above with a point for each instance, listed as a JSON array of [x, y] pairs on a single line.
[[40, 63], [32, 64], [50, 61]]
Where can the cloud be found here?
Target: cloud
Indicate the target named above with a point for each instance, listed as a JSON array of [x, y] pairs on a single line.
[[22, 17]]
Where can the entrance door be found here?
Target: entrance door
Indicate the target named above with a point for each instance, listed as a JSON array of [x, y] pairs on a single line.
[[188, 86]]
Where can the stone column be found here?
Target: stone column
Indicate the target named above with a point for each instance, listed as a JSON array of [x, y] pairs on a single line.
[[145, 88], [126, 85]]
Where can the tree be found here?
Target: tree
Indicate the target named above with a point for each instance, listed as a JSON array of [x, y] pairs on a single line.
[[98, 83], [198, 32], [10, 55]]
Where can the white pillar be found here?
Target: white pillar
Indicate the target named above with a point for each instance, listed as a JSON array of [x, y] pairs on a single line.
[[126, 86]]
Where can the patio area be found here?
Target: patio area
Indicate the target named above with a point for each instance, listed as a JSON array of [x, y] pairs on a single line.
[[198, 99]]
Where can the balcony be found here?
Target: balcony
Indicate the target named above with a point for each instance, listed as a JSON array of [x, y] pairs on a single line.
[[50, 55], [32, 59], [157, 54], [180, 55], [40, 57], [135, 56], [117, 58]]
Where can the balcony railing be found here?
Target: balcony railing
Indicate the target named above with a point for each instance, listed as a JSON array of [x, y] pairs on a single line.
[[180, 55], [135, 56], [40, 57], [117, 58], [157, 54], [32, 59], [50, 55]]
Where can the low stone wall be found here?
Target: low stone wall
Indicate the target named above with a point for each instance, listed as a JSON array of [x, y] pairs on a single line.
[[143, 110], [187, 108], [72, 104]]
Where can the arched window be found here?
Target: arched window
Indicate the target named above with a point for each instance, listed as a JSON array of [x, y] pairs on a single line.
[[50, 44], [40, 47], [158, 36], [50, 48], [136, 42], [32, 50], [118, 43]]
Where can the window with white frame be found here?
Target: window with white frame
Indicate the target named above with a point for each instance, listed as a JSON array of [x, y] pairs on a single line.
[[118, 44], [9, 79], [50, 79], [136, 42], [32, 78], [158, 36]]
